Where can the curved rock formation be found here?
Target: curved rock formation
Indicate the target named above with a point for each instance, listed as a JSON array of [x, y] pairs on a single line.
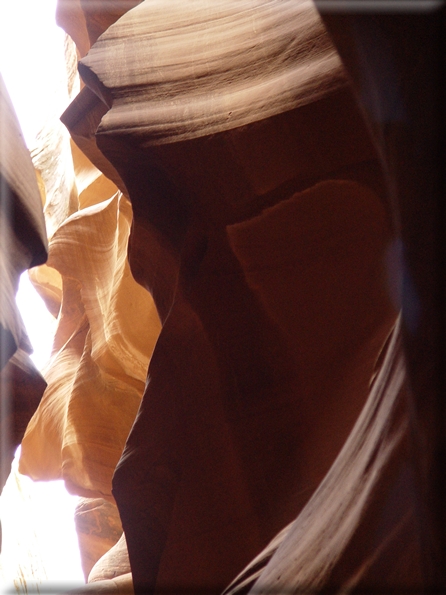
[[23, 245], [100, 358], [99, 529], [21, 389], [272, 293], [365, 536], [115, 563], [395, 61], [101, 348], [199, 70], [85, 21], [275, 440], [23, 234]]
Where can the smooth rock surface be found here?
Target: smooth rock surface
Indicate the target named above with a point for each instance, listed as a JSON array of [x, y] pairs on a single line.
[[275, 437], [339, 540], [99, 358], [114, 563], [98, 527], [267, 243], [23, 244], [21, 389], [395, 62]]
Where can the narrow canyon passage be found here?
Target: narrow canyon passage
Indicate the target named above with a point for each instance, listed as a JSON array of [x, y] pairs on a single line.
[[228, 220]]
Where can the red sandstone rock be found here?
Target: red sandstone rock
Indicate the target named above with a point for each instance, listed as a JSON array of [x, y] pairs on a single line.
[[272, 290], [275, 428], [23, 245]]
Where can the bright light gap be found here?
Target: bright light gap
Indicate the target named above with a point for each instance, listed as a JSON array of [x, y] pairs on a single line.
[[40, 548]]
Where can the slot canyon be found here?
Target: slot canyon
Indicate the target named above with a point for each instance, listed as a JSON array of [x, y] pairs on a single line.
[[240, 234]]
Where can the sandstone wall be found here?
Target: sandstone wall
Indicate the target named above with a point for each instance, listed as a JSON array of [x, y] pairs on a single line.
[[23, 245], [258, 211]]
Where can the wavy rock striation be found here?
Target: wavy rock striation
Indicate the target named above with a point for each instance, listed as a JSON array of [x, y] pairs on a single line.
[[106, 328], [98, 361], [261, 230], [274, 438], [23, 244]]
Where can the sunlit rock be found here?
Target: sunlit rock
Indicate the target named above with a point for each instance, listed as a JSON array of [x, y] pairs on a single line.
[[23, 244], [86, 21], [99, 359], [71, 186], [23, 234], [266, 62], [99, 528], [261, 229], [51, 150], [113, 564], [274, 439], [121, 585]]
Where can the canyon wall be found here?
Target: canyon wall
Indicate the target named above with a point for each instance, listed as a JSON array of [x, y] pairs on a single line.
[[23, 245], [229, 377]]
